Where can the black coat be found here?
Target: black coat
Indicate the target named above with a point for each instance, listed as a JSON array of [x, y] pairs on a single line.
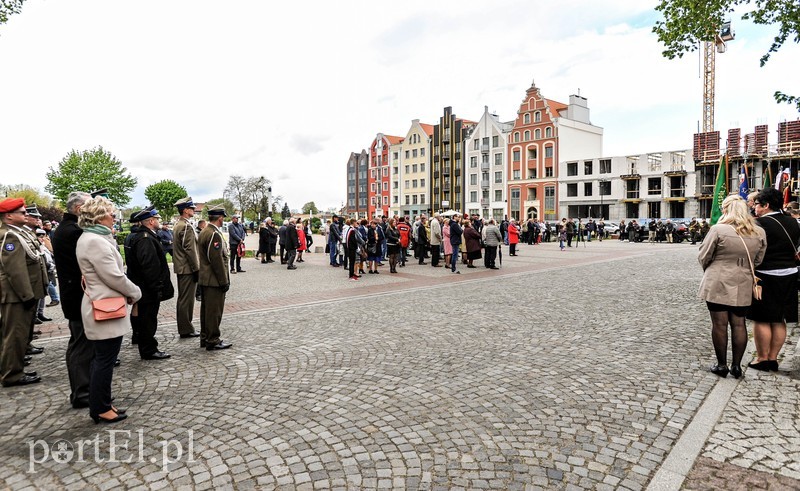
[[65, 241], [292, 240], [266, 239], [147, 266]]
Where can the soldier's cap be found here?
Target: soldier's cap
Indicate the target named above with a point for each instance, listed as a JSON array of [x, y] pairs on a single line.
[[185, 203], [100, 192], [216, 211], [33, 211], [235, 216], [40, 232], [11, 204], [141, 215]]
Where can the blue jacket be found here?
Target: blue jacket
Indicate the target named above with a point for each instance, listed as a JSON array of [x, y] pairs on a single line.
[[235, 233]]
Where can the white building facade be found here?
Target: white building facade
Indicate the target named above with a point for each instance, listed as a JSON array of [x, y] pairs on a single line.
[[486, 177]]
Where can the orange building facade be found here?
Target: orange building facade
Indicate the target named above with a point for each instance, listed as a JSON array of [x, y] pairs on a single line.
[[379, 179]]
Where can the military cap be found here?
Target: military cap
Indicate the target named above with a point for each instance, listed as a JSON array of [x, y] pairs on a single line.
[[33, 211], [100, 192], [185, 203], [215, 211], [11, 204], [40, 232], [148, 212]]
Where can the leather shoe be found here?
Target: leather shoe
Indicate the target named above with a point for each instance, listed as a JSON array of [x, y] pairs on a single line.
[[220, 345], [44, 318], [241, 271], [117, 362], [202, 344], [53, 303], [31, 374], [36, 320], [719, 370], [291, 267], [736, 371], [80, 404], [190, 335], [24, 380], [158, 355], [763, 366], [34, 350], [27, 358], [98, 419]]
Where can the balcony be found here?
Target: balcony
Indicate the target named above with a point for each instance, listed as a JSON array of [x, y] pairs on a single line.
[[484, 148], [484, 202], [457, 172], [446, 136], [457, 190], [446, 155], [484, 166], [436, 174], [446, 172], [484, 183], [676, 170], [436, 158], [629, 177], [435, 191]]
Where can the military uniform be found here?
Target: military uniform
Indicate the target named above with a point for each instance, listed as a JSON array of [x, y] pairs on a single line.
[[23, 281], [186, 265], [215, 281]]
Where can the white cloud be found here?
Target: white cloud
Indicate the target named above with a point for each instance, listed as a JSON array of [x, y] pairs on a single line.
[[192, 92]]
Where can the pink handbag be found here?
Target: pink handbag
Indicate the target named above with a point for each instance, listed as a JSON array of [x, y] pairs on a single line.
[[106, 308]]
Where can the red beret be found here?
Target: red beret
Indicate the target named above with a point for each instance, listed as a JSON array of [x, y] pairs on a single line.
[[11, 204]]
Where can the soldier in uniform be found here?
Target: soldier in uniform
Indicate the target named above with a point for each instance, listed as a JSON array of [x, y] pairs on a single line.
[[147, 269], [33, 221], [23, 281], [186, 265], [694, 230], [215, 279]]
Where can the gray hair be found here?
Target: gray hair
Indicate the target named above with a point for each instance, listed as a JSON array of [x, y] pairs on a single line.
[[76, 199], [94, 209]]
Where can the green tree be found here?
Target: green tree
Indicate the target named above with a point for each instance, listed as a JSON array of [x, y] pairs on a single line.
[[227, 204], [285, 212], [88, 171], [9, 7], [163, 196], [686, 23], [311, 208], [31, 195]]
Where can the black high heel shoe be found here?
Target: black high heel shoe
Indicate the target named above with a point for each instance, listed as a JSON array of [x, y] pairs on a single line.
[[736, 371], [97, 419], [719, 370], [763, 366], [773, 365]]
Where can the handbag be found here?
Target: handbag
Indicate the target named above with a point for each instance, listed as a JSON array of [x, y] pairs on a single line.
[[796, 254], [240, 249], [106, 308], [756, 279]]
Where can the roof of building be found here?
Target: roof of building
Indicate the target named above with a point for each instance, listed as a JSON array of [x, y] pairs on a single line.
[[427, 128], [555, 106], [393, 140]]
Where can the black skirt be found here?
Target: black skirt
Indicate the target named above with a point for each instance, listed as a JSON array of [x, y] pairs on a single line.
[[778, 299], [474, 255]]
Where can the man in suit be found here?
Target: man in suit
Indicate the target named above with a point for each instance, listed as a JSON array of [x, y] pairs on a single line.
[[236, 236], [292, 243], [436, 239], [23, 281], [334, 237], [79, 350], [186, 264], [214, 279], [147, 269]]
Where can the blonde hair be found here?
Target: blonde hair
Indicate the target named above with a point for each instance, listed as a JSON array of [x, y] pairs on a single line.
[[735, 213], [93, 209]]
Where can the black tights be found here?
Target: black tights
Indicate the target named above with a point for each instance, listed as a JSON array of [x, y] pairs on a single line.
[[719, 335]]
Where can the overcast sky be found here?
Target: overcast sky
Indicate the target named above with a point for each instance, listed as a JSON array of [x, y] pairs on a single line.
[[195, 91]]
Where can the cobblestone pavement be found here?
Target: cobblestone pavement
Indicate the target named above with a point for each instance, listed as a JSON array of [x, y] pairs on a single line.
[[573, 370]]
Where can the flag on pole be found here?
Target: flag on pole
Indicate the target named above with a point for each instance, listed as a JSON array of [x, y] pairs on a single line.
[[767, 177], [783, 175], [720, 191], [744, 190], [787, 193]]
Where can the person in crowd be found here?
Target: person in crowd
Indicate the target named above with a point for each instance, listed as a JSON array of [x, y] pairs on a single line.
[[513, 237], [472, 240], [215, 279], [632, 230], [147, 269], [103, 278], [373, 248], [384, 224], [282, 240], [309, 235], [669, 231], [272, 239], [660, 231], [456, 233], [579, 231], [236, 236], [422, 241], [351, 244], [23, 282], [504, 229], [393, 244], [651, 231], [562, 234], [79, 349], [570, 229], [186, 265], [548, 230], [447, 246], [201, 224], [694, 230], [263, 241], [704, 227], [166, 238], [436, 240], [751, 205], [728, 279], [778, 273], [50, 267], [302, 245], [492, 238], [405, 239], [334, 238], [623, 231], [292, 243], [591, 229]]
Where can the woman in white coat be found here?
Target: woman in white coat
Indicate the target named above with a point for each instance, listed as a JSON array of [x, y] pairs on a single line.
[[101, 266]]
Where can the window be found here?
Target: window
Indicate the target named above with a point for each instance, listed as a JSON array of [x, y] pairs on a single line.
[[422, 199], [548, 132], [527, 135], [373, 187], [372, 173], [395, 199], [587, 167], [516, 155], [414, 183], [473, 180], [604, 188], [385, 186], [485, 158], [498, 195], [532, 153], [548, 152], [526, 119], [422, 152], [407, 169], [654, 161], [396, 155], [414, 153], [372, 200], [495, 141], [395, 185], [498, 159], [414, 168], [537, 116], [386, 200], [498, 177], [654, 186], [385, 172], [516, 136], [407, 184], [531, 173], [572, 168], [531, 194], [516, 174], [473, 161], [572, 189], [605, 166], [408, 153], [550, 203], [414, 199], [548, 171], [422, 167], [476, 145], [473, 196], [485, 141], [537, 133], [515, 203], [422, 183], [587, 188]]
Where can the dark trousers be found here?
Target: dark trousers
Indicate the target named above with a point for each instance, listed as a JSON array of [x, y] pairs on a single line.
[[351, 263], [235, 259], [512, 249], [421, 253], [80, 353], [106, 352], [454, 258], [187, 288], [403, 254], [435, 254], [283, 254], [16, 322], [270, 251], [290, 255], [491, 255], [147, 323], [569, 239], [211, 314]]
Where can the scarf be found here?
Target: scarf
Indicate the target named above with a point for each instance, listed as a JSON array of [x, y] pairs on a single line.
[[98, 229]]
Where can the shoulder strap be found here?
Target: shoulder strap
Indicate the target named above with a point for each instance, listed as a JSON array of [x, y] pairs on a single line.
[[784, 231], [747, 251]]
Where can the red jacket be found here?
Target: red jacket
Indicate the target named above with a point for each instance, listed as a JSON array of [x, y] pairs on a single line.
[[404, 230], [513, 234]]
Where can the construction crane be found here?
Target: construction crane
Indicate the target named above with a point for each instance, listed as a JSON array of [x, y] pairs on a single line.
[[724, 35]]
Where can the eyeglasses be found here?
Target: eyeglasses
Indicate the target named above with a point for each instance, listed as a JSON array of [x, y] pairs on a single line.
[[24, 212], [758, 203]]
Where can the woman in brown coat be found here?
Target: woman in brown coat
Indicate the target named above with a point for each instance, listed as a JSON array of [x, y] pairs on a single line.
[[727, 286], [472, 241]]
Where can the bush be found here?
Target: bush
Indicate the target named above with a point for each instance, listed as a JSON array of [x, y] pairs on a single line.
[[121, 237]]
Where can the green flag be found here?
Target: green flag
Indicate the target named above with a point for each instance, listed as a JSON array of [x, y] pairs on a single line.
[[767, 178], [720, 191]]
